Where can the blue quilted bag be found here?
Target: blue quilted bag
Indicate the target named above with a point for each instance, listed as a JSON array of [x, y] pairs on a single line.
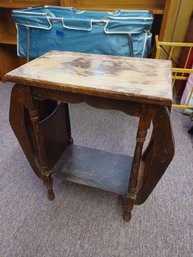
[[123, 32]]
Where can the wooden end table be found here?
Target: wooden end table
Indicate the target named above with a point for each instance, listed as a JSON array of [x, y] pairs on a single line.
[[40, 119]]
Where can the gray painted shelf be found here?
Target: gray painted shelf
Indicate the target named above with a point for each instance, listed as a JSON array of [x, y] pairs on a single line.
[[95, 168]]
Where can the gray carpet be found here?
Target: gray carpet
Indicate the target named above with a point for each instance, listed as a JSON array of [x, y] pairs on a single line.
[[86, 222]]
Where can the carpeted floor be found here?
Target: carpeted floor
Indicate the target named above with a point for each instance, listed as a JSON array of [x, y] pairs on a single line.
[[86, 222]]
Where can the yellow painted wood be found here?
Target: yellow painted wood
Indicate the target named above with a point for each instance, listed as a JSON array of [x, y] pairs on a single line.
[[177, 73], [168, 46], [182, 70], [177, 106]]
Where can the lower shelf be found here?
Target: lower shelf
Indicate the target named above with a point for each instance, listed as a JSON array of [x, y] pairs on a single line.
[[95, 168]]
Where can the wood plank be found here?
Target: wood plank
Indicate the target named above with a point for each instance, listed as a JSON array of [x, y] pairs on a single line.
[[155, 6], [25, 4], [176, 21], [95, 168], [6, 22], [9, 59], [8, 38], [117, 77]]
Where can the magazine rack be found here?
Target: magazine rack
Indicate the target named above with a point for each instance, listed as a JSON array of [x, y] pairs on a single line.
[[136, 86]]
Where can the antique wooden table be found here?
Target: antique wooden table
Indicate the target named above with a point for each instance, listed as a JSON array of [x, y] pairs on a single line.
[[39, 117]]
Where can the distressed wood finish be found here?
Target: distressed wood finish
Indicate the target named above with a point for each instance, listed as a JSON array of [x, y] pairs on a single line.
[[124, 78], [42, 124]]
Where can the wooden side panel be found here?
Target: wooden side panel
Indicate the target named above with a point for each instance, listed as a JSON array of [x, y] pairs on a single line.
[[158, 154], [18, 124], [54, 129]]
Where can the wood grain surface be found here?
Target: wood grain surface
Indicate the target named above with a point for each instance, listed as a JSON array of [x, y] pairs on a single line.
[[136, 79]]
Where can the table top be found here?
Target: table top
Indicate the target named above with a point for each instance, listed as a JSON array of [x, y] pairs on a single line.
[[117, 77]]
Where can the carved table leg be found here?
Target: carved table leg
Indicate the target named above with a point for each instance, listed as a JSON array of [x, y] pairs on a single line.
[[144, 124]]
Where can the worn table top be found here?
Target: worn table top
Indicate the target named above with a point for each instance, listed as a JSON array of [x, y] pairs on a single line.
[[134, 79]]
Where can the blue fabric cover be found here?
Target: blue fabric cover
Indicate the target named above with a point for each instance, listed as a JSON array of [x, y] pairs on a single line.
[[67, 29]]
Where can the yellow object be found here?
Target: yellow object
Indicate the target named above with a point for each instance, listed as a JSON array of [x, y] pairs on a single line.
[[177, 73]]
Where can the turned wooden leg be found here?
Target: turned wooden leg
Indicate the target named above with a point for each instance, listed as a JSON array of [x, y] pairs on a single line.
[[144, 124], [127, 206], [48, 182]]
